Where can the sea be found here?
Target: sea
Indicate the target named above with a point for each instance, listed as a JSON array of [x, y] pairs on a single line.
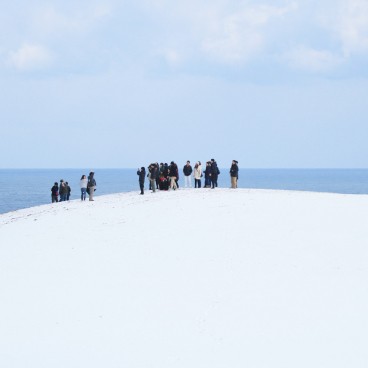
[[23, 188]]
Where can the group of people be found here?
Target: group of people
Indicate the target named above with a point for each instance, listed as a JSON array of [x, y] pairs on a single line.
[[164, 177], [62, 192], [161, 176]]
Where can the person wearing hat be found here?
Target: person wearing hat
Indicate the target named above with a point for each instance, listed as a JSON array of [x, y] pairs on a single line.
[[91, 185], [234, 174], [55, 193], [142, 176]]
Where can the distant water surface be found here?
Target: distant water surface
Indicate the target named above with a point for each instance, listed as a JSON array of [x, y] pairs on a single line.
[[21, 188]]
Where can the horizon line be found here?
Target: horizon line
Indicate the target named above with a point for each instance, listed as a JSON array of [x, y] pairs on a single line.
[[133, 168]]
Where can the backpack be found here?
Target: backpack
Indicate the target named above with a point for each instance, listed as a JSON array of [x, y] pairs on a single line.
[[55, 191], [90, 182]]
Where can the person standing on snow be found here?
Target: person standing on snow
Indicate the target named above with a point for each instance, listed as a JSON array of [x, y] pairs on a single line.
[[83, 185], [197, 175], [55, 193], [207, 175], [173, 173], [68, 191], [63, 191], [214, 173], [142, 176], [187, 170], [91, 185], [153, 172], [234, 172]]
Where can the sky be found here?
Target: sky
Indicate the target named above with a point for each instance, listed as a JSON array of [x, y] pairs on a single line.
[[114, 84]]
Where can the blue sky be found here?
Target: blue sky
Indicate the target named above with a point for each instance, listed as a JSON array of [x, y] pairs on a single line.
[[273, 84]]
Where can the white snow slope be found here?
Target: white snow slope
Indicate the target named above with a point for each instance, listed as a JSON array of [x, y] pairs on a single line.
[[191, 279]]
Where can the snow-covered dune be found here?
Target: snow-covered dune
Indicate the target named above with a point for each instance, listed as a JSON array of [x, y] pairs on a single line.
[[191, 279]]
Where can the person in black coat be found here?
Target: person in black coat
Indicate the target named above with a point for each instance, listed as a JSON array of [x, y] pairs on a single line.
[[153, 172], [68, 191], [91, 185], [166, 170], [187, 170], [173, 173], [63, 190], [142, 176], [214, 173], [55, 193], [207, 175], [234, 174]]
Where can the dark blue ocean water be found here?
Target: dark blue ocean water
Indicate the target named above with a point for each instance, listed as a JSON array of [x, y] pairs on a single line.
[[21, 188]]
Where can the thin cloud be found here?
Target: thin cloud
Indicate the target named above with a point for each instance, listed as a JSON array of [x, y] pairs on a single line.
[[221, 31], [172, 57], [353, 26], [235, 40], [30, 57], [346, 21], [189, 35], [243, 34], [312, 60], [53, 20]]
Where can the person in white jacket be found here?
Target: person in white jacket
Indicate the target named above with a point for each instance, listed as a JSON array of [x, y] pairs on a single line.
[[83, 186], [197, 175]]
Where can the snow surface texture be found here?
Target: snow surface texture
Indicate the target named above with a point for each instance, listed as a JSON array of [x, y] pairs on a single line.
[[192, 278]]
